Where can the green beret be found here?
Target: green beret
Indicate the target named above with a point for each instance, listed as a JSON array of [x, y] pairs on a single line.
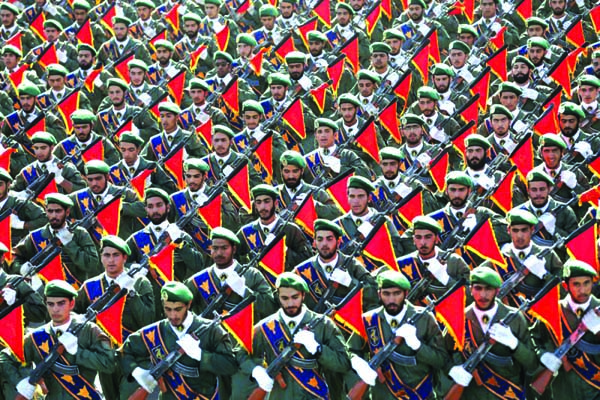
[[538, 42], [86, 47], [524, 60], [116, 243], [128, 137], [341, 5], [348, 98], [43, 137], [214, 2], [144, 3], [393, 34], [10, 8], [169, 107], [459, 178], [390, 153], [428, 93], [58, 198], [121, 20], [81, 5], [10, 49], [477, 140], [291, 157], [552, 140], [224, 233], [246, 38], [279, 79], [426, 223], [223, 129], [316, 36], [192, 17], [326, 225], [409, 118], [568, 108], [295, 57], [539, 176], [156, 192], [596, 54], [176, 292], [465, 28], [165, 44], [5, 176], [82, 117], [50, 23], [288, 1], [589, 80], [197, 83], [263, 189], [268, 10], [135, 63], [500, 109], [461, 46], [486, 276], [195, 163], [518, 216], [510, 87], [442, 69], [532, 21], [3, 248], [380, 47], [96, 167], [291, 280], [574, 268], [368, 75], [417, 3], [58, 288], [252, 105], [27, 88], [117, 82], [359, 182], [56, 69], [392, 279], [329, 123]]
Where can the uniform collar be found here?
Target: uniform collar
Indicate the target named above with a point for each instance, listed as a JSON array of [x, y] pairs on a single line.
[[488, 314], [296, 320], [187, 322], [395, 321]]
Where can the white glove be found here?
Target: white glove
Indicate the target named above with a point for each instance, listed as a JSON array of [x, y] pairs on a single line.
[[409, 333], [364, 371], [580, 3], [70, 342], [174, 232], [424, 159], [145, 98], [98, 82], [171, 71], [584, 149], [237, 283], [300, 198], [141, 273], [25, 388], [125, 281], [485, 181], [438, 270], [466, 75], [307, 339], [496, 27], [503, 335], [341, 276], [536, 266], [470, 222], [424, 29], [474, 60], [447, 105], [550, 361], [62, 56], [50, 8], [530, 94], [549, 222], [9, 295], [437, 10], [64, 235], [506, 7], [460, 375], [21, 195], [191, 346], [402, 189], [305, 82], [437, 134], [25, 268], [16, 222], [334, 163], [182, 9], [569, 178], [145, 380], [592, 321], [265, 382], [53, 168]]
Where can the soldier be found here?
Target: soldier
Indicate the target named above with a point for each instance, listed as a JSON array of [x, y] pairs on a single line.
[[11, 57], [65, 52], [137, 310], [395, 39], [587, 91], [190, 42], [490, 24], [509, 95], [81, 10], [561, 20], [418, 26], [51, 12], [478, 168], [502, 139], [95, 89], [208, 349], [288, 16], [413, 363], [443, 82], [145, 27], [580, 145], [344, 30], [86, 353], [439, 127], [141, 93], [532, 92], [537, 53], [269, 31], [458, 57], [122, 44], [165, 69], [214, 22], [200, 111], [367, 84], [242, 67], [511, 357], [318, 60], [79, 256], [9, 14], [303, 83]]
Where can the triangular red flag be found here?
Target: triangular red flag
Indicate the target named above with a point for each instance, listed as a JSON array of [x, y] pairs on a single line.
[[126, 127], [16, 77], [48, 56], [547, 310], [204, 132], [243, 7], [553, 103], [434, 48], [371, 19], [581, 244], [107, 18], [89, 81], [111, 320], [222, 37], [50, 188], [497, 63], [319, 95], [195, 56], [337, 192], [481, 87], [174, 165], [560, 75], [6, 235], [483, 242], [421, 62], [497, 41], [122, 70], [450, 312], [84, 34], [12, 332], [323, 12], [210, 212], [349, 316], [273, 262], [388, 119], [459, 141], [402, 88], [284, 47], [172, 17], [367, 140], [412, 207], [305, 217], [305, 27], [438, 169], [37, 26], [380, 248], [546, 123], [502, 197], [94, 152], [241, 326], [350, 49], [264, 154], [525, 9], [574, 34], [522, 157], [594, 166], [5, 159], [163, 262], [294, 118], [386, 8], [457, 8], [176, 86], [595, 17], [138, 183], [572, 59], [109, 217], [469, 10], [53, 270], [257, 60], [335, 71], [66, 107], [15, 40], [231, 97], [239, 186]]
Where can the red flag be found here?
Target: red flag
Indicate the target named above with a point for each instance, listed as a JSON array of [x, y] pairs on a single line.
[[547, 310], [294, 118], [16, 77], [574, 34], [176, 85], [264, 154], [572, 59], [222, 37], [305, 27], [241, 326], [595, 18], [522, 157], [138, 183], [107, 18], [372, 18], [553, 103], [581, 244], [211, 213], [459, 141], [497, 63], [483, 243], [50, 188], [53, 270], [594, 166], [349, 316], [457, 8], [546, 123], [337, 192], [335, 71], [126, 127], [273, 262], [319, 95], [305, 217], [498, 40], [257, 60], [5, 160], [243, 7], [163, 262], [195, 56], [481, 87], [367, 140], [37, 26], [450, 312], [94, 152], [284, 47], [469, 10], [6, 235], [111, 320], [502, 197], [109, 217], [172, 17], [66, 107], [89, 81], [388, 119], [231, 97], [174, 165], [350, 49], [386, 8], [380, 248], [560, 75], [239, 186], [438, 169], [48, 56], [525, 9], [12, 332], [84, 34], [204, 132], [15, 40], [402, 88], [434, 48], [122, 70], [421, 63], [412, 208], [323, 12]]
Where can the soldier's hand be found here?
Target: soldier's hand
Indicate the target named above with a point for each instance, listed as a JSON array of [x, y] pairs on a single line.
[[470, 222], [364, 371], [341, 276], [424, 159], [460, 375], [70, 342], [9, 295], [536, 266], [584, 149], [485, 182], [26, 268], [569, 178], [25, 388], [145, 98], [265, 382], [592, 321], [237, 283], [16, 222], [307, 339], [174, 232], [144, 379], [549, 222], [125, 281], [409, 333], [64, 235], [550, 361], [191, 346], [503, 335]]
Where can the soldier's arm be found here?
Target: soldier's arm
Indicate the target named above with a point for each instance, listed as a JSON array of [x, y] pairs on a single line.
[[325, 206], [134, 354], [142, 303], [334, 354], [524, 353], [132, 206], [82, 252], [218, 355], [32, 214], [34, 307], [432, 350], [23, 252], [73, 179], [265, 303]]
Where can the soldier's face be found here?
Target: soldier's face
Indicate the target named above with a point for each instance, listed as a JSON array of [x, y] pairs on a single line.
[[163, 55], [392, 300], [325, 137], [212, 10], [468, 38], [56, 82], [267, 22], [580, 288], [222, 252], [366, 87], [251, 119], [475, 157], [441, 83], [587, 93], [51, 33], [176, 311], [315, 47], [415, 12], [194, 179], [568, 124], [286, 9], [157, 210], [357, 4], [168, 121], [59, 309], [424, 241], [244, 50], [198, 96], [488, 8], [57, 215], [27, 102], [457, 194], [116, 95], [520, 72], [80, 16], [113, 261], [221, 143], [129, 152], [85, 59], [96, 182], [500, 124], [296, 70], [348, 112], [278, 92], [536, 55], [509, 100], [483, 296], [121, 31], [539, 193], [458, 58], [389, 168], [427, 106], [143, 12], [223, 68], [42, 151], [8, 18], [558, 7], [520, 235], [191, 28], [10, 60], [291, 301], [358, 200], [265, 207], [137, 76], [292, 175], [82, 131], [326, 244], [596, 65], [535, 31], [551, 156], [412, 133], [379, 60], [3, 190], [395, 44], [342, 17]]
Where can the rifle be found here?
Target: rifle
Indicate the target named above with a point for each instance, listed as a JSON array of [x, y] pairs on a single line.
[[478, 356], [165, 364], [358, 390], [554, 212], [542, 380]]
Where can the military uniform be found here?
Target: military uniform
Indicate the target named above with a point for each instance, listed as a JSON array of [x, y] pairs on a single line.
[[100, 144], [110, 119], [121, 174], [34, 308], [35, 169], [29, 212]]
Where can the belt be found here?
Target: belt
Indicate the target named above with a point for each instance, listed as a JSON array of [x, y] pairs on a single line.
[[303, 363]]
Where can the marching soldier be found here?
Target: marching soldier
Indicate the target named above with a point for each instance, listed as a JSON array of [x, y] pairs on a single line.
[[165, 69], [587, 92], [81, 10], [66, 53], [145, 27], [439, 127], [478, 168], [11, 57], [190, 42], [95, 90], [141, 93], [200, 111], [303, 83], [10, 28], [122, 44], [580, 145]]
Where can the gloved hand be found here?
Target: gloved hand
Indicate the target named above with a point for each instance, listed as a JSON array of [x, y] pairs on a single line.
[[549, 222], [16, 222], [300, 198], [98, 82], [70, 342], [536, 266], [447, 106], [424, 29], [237, 283], [569, 178], [64, 235], [21, 195], [530, 94], [182, 10], [141, 273], [307, 339], [438, 270], [503, 335], [496, 27], [424, 159], [474, 59], [583, 148], [341, 276], [50, 8], [334, 163], [364, 371], [25, 268], [485, 181], [550, 361], [62, 56], [470, 222], [437, 134], [125, 281], [191, 346], [506, 7], [25, 388], [174, 232], [409, 333], [144, 379], [305, 82], [592, 321], [53, 168], [402, 189], [145, 98], [460, 375], [9, 295], [265, 382]]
